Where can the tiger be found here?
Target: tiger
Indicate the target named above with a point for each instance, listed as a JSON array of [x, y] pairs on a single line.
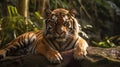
[[60, 33]]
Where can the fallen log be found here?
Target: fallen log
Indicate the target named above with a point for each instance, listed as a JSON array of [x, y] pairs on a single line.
[[96, 57]]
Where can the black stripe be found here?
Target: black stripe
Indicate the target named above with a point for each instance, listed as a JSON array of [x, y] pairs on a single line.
[[19, 41], [31, 37], [22, 38], [73, 24], [46, 26], [38, 33], [53, 44], [28, 38], [72, 45], [50, 43], [68, 43], [13, 47], [35, 45], [76, 41], [17, 45], [44, 42]]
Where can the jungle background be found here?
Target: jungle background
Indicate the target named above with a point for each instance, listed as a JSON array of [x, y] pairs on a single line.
[[99, 19]]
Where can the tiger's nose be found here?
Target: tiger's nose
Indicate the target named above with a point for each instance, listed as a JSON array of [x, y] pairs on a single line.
[[61, 30]]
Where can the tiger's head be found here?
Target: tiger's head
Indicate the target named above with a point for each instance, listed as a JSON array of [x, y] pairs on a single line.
[[60, 24]]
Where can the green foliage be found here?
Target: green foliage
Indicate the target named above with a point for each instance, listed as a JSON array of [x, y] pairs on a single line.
[[105, 43], [38, 19], [15, 25], [115, 39]]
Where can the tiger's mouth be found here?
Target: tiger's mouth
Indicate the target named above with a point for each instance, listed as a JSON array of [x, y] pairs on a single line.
[[60, 39]]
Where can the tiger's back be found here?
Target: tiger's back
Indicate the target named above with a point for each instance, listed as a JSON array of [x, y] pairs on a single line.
[[23, 44]]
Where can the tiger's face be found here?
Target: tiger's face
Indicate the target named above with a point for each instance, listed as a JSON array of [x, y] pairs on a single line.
[[60, 25]]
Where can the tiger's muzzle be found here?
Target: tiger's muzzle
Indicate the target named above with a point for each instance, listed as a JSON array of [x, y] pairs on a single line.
[[61, 37], [61, 33]]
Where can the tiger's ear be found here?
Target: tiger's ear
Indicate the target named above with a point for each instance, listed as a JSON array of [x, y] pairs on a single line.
[[47, 12], [73, 12]]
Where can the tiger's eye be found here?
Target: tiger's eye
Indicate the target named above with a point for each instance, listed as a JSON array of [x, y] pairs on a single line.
[[65, 23]]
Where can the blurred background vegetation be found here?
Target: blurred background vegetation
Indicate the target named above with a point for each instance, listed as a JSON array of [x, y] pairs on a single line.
[[99, 19]]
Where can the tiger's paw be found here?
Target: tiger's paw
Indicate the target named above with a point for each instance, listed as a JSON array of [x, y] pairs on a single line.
[[2, 53], [79, 54], [54, 57]]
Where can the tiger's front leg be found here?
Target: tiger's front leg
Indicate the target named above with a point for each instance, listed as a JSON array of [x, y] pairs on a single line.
[[80, 48], [51, 54]]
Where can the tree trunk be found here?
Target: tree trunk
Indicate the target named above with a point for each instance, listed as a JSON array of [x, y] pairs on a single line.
[[42, 6], [4, 9], [97, 57], [23, 7]]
